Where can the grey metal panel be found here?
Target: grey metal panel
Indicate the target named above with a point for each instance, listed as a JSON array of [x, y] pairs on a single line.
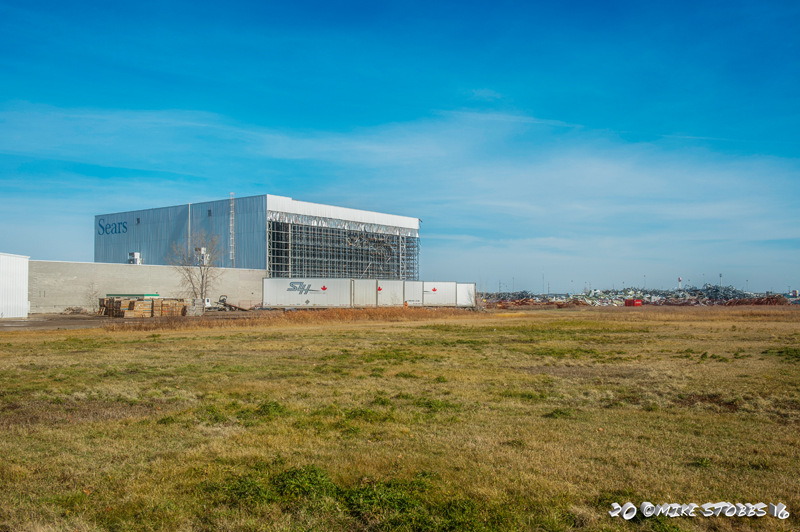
[[250, 229], [251, 232], [212, 218], [151, 232]]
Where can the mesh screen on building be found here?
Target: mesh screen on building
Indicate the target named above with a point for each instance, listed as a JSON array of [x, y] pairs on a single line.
[[311, 251]]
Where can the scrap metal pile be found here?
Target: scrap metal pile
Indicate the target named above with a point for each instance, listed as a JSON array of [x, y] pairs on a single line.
[[707, 295]]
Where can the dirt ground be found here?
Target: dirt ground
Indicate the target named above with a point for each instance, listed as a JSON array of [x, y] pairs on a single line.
[[52, 322]]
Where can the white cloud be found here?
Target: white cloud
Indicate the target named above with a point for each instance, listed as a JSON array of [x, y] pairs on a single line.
[[485, 94], [496, 191]]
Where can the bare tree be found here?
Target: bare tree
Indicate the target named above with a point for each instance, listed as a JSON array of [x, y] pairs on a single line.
[[92, 296], [197, 262]]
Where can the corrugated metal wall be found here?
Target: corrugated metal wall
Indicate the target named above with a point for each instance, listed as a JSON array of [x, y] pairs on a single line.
[[13, 286], [153, 232], [150, 232]]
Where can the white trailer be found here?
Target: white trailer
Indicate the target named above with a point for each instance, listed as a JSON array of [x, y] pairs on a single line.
[[391, 293], [413, 293], [365, 293], [14, 286], [465, 295], [442, 294], [307, 293]]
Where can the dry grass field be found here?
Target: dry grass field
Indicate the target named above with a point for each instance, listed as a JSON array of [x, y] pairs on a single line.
[[402, 420]]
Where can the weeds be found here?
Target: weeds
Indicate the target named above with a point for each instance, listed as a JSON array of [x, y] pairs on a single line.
[[474, 421]]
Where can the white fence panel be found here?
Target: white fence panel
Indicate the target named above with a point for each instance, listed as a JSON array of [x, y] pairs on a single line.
[[465, 294], [307, 293], [439, 294], [390, 293], [13, 286], [365, 293]]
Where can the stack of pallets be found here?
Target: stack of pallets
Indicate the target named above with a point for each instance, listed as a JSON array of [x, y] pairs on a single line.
[[195, 307], [116, 307], [122, 307], [142, 308], [173, 307]]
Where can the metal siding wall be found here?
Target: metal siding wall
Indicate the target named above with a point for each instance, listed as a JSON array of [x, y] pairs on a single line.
[[217, 225], [152, 237], [13, 286], [250, 225]]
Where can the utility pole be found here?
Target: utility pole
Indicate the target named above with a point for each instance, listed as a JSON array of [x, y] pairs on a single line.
[[746, 285], [645, 282], [720, 280]]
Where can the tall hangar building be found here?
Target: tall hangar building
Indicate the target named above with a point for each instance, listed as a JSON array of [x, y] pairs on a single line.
[[285, 237]]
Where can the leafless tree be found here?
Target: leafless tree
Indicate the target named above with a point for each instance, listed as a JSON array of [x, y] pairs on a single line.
[[197, 262], [92, 297]]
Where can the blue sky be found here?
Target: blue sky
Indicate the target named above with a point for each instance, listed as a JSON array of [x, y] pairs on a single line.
[[587, 142]]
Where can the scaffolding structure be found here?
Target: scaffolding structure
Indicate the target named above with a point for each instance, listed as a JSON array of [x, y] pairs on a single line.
[[303, 251]]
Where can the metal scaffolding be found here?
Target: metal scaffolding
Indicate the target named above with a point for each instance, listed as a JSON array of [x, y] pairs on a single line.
[[296, 250]]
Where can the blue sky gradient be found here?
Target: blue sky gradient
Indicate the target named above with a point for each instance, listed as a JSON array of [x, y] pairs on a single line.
[[590, 142]]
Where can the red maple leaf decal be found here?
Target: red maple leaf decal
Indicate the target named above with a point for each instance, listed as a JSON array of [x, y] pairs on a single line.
[[379, 289], [434, 290], [324, 287]]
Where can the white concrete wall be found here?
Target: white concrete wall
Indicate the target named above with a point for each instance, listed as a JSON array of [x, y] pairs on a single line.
[[54, 286], [13, 286]]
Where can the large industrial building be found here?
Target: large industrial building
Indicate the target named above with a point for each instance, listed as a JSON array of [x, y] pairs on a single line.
[[285, 237]]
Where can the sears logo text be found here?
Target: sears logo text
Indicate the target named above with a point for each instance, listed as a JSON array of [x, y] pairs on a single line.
[[104, 228]]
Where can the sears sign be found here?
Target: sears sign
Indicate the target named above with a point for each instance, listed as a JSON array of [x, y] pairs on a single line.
[[117, 228]]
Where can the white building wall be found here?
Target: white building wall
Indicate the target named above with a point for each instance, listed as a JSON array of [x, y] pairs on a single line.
[[55, 286], [13, 286]]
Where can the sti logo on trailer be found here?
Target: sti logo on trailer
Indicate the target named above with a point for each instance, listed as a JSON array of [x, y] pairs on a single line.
[[111, 229], [303, 288]]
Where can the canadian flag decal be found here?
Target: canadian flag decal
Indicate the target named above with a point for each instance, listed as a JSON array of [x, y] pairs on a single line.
[[434, 290], [379, 289], [324, 288]]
